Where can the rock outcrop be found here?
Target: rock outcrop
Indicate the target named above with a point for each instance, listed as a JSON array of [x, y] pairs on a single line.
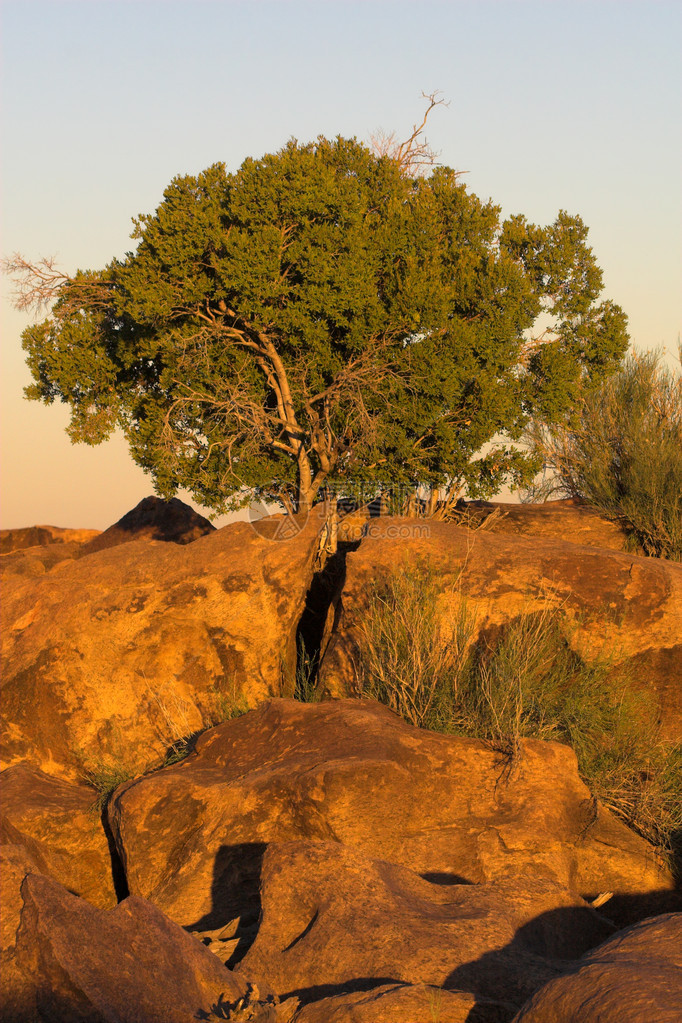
[[171, 521], [626, 605], [129, 964], [500, 937], [41, 536], [332, 863], [192, 837], [570, 520], [39, 549], [634, 977], [128, 650]]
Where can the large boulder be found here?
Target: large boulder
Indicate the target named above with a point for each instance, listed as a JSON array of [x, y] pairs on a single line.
[[18, 858], [46, 827], [634, 977], [131, 649], [192, 837], [58, 822], [496, 938], [130, 964], [626, 605], [404, 1003]]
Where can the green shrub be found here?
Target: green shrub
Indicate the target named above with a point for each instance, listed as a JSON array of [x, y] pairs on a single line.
[[525, 682], [623, 453], [407, 661]]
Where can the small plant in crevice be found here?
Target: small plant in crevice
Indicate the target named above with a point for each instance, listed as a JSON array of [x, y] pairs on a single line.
[[525, 681], [224, 705], [176, 714], [306, 689], [105, 778]]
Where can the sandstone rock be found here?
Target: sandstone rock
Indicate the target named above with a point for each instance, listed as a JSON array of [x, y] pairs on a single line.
[[36, 561], [46, 827], [39, 549], [571, 520], [630, 606], [40, 536], [634, 977], [404, 1003], [192, 837], [129, 649], [56, 820], [153, 519], [17, 859], [334, 920], [130, 964]]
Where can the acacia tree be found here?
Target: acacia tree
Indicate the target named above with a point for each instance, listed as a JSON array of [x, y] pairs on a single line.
[[323, 316]]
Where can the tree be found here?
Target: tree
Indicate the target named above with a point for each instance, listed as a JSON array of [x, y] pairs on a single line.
[[321, 317]]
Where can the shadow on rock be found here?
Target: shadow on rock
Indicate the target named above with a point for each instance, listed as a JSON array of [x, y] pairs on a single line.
[[547, 947], [235, 896]]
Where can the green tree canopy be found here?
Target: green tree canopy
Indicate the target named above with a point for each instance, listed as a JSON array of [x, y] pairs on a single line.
[[322, 317]]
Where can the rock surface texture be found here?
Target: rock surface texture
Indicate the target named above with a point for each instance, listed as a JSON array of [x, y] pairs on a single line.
[[404, 1003], [58, 823], [635, 977], [570, 520], [127, 650], [192, 837], [626, 605], [397, 927], [130, 964], [41, 536]]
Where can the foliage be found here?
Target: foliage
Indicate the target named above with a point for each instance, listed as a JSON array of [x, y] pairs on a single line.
[[525, 682], [623, 453], [319, 317]]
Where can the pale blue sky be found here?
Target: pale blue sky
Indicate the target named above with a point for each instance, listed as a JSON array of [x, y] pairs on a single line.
[[552, 105]]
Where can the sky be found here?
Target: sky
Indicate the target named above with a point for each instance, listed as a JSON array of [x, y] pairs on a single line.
[[552, 105]]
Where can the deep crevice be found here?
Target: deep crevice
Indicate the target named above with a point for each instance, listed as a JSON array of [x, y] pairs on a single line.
[[312, 633], [118, 874]]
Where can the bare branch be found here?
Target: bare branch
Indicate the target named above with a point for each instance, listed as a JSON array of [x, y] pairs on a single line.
[[36, 285], [415, 154]]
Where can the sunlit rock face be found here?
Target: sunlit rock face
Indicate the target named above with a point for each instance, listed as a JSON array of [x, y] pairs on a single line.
[[622, 606], [193, 836], [111, 659], [129, 963], [41, 536]]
